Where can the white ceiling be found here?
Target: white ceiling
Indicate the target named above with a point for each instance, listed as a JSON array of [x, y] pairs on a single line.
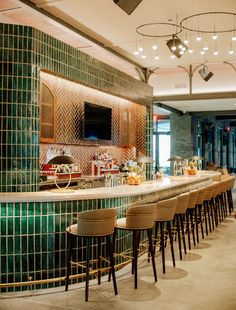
[[116, 30]]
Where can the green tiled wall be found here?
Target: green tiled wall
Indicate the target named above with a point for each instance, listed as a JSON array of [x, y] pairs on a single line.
[[23, 52]]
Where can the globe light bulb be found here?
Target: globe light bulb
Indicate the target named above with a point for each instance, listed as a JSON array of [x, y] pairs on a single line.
[[198, 38], [216, 53], [140, 49], [156, 57], [154, 47], [214, 37], [143, 56], [136, 52]]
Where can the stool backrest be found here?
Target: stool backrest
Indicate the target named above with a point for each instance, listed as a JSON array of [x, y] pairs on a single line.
[[141, 216], [182, 203], [165, 209], [209, 192], [98, 222], [200, 196], [192, 199]]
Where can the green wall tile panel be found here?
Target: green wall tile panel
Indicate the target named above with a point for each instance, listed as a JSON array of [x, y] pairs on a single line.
[[24, 51]]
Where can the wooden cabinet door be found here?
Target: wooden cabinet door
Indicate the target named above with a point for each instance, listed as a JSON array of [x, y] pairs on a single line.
[[127, 128], [47, 115]]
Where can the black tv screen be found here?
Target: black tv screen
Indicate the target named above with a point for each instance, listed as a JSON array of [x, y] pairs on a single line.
[[97, 122]]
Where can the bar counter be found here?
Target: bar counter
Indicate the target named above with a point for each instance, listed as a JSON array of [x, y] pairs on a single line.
[[33, 225]]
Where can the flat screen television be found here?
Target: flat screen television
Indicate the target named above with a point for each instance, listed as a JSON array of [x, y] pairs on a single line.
[[97, 122]]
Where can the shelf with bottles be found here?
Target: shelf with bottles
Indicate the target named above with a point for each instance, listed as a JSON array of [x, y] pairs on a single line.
[[104, 163]]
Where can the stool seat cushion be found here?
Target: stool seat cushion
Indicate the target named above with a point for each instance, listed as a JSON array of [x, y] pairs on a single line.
[[94, 223], [138, 217]]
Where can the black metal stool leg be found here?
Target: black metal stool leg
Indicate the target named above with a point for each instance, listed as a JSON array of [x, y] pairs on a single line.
[[69, 252], [205, 217], [188, 229], [162, 244], [171, 243], [179, 235], [110, 250], [113, 250], [88, 242], [192, 226], [99, 260], [183, 232], [149, 233]]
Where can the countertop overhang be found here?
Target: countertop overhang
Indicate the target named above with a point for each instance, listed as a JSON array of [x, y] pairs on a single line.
[[107, 192]]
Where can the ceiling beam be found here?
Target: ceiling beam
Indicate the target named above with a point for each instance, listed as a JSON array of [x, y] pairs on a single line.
[[77, 31], [168, 108], [203, 96]]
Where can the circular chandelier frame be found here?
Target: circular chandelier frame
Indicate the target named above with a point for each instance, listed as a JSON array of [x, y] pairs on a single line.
[[141, 28], [199, 30]]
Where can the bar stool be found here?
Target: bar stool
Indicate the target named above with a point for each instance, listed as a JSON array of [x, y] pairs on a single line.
[[92, 224], [191, 214], [138, 218], [165, 211], [198, 211], [206, 205], [181, 207]]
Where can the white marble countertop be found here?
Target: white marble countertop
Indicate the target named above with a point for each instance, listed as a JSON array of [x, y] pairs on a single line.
[[105, 192]]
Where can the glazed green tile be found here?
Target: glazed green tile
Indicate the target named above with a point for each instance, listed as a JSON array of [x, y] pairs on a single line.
[[3, 267], [3, 226], [10, 226]]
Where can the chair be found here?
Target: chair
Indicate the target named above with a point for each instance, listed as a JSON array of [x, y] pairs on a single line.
[[138, 218], [92, 224], [191, 215], [181, 207], [198, 211], [165, 211]]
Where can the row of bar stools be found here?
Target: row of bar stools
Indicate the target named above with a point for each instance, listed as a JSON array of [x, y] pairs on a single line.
[[165, 211], [139, 218], [91, 224]]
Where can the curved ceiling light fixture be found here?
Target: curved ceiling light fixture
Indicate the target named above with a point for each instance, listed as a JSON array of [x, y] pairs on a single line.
[[156, 31]]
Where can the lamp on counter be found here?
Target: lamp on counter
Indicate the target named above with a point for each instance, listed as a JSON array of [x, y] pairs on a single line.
[[143, 160], [177, 164], [198, 160]]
